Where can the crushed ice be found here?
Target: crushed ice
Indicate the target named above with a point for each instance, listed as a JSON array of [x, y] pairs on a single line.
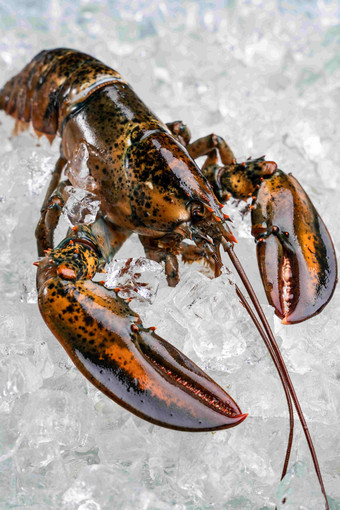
[[81, 206], [265, 76]]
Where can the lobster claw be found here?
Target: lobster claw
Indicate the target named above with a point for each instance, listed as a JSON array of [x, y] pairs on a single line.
[[129, 363], [295, 253]]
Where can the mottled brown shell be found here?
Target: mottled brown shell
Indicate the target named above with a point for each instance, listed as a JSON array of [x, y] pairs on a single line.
[[53, 86], [295, 252], [108, 343]]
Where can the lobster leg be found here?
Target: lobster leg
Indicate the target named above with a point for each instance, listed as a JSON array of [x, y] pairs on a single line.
[[191, 253], [203, 146], [155, 250], [180, 131], [55, 179], [51, 210], [206, 146], [109, 345]]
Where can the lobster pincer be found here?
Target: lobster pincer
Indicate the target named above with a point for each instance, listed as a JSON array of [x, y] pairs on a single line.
[[295, 253], [107, 342]]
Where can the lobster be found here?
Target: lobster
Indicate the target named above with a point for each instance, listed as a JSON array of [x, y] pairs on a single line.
[[144, 174]]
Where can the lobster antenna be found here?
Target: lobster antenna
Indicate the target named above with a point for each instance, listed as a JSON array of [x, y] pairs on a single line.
[[263, 319], [280, 372]]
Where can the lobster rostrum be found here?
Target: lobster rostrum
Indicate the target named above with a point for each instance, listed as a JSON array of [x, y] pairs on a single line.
[[144, 174]]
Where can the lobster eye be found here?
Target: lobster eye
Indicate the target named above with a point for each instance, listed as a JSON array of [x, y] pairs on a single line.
[[197, 210]]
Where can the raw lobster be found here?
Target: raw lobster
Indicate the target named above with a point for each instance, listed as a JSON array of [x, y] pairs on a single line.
[[144, 175]]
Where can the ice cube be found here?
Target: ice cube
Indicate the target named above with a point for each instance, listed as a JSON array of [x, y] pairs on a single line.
[[81, 206]]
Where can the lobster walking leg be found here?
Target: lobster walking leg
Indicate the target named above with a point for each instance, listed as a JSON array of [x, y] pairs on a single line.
[[50, 214], [180, 131], [154, 250], [202, 146], [109, 236], [205, 145], [55, 179]]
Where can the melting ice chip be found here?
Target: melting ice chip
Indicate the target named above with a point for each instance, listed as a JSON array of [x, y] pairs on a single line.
[[78, 169], [137, 278], [81, 206]]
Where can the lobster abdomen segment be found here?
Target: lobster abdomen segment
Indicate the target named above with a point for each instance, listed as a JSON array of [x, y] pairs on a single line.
[[52, 86]]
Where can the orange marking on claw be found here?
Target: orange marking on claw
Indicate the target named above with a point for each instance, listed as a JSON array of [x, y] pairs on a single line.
[[66, 272], [141, 372]]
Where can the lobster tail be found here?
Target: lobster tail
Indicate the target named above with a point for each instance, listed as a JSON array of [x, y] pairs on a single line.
[[54, 85]]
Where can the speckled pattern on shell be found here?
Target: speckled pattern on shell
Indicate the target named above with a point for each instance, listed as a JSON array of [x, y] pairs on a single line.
[[148, 183], [51, 86], [142, 175], [129, 363], [300, 236]]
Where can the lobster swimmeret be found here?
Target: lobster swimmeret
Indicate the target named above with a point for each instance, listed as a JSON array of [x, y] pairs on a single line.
[[144, 174]]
